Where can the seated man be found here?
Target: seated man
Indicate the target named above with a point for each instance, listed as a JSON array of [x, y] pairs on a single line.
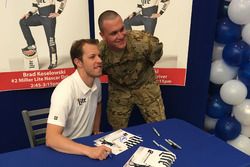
[[75, 109]]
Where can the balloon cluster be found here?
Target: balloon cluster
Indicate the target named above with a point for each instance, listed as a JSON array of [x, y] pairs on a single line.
[[228, 109]]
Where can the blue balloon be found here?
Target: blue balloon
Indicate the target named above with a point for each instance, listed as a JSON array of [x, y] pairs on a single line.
[[227, 128], [244, 74], [217, 108], [233, 53], [227, 31]]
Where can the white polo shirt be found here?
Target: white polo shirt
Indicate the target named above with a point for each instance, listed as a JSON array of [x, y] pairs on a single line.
[[73, 106]]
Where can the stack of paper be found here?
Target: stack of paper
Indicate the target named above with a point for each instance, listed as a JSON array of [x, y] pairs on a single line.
[[119, 141], [146, 157]]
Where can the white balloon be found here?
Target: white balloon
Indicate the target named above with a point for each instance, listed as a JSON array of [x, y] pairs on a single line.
[[245, 130], [221, 72], [245, 33], [242, 143], [210, 123], [233, 92], [239, 11], [242, 112], [217, 51]]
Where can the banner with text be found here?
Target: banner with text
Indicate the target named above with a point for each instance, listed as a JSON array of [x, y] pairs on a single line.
[[35, 46]]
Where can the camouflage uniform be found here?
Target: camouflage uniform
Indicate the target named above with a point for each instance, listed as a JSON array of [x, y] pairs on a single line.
[[132, 80]]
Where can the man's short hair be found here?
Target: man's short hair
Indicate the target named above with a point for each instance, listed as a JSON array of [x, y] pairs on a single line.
[[77, 51], [106, 15]]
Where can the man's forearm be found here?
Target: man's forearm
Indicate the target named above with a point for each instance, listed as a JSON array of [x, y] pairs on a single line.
[[164, 7], [63, 144], [62, 6], [97, 120]]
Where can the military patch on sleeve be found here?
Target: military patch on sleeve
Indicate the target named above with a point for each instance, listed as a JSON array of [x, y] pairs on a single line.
[[55, 117]]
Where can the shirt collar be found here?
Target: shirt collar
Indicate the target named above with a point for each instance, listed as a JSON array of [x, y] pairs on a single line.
[[83, 87]]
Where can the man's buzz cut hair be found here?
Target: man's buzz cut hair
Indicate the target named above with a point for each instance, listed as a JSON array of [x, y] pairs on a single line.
[[106, 15]]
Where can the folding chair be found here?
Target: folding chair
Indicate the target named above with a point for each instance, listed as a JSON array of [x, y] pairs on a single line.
[[35, 123]]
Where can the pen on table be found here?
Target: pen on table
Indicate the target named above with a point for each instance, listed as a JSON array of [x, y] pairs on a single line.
[[164, 148], [173, 144], [156, 143], [159, 145], [157, 133]]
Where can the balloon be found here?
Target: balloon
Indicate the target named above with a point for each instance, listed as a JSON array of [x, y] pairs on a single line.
[[245, 130], [217, 51], [233, 92], [227, 31], [242, 112], [239, 11], [217, 108], [210, 123], [227, 128], [233, 53], [221, 72], [245, 33], [242, 143], [244, 74]]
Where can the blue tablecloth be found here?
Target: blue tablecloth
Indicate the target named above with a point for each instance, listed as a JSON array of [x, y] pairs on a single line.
[[199, 149]]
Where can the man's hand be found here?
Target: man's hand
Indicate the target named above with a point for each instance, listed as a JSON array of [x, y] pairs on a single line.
[[99, 152], [53, 15], [96, 132], [155, 15], [131, 15]]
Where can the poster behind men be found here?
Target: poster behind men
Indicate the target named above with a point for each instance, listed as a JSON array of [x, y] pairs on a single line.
[[72, 24], [172, 28]]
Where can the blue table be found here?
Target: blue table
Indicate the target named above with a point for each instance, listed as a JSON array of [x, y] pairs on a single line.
[[199, 149]]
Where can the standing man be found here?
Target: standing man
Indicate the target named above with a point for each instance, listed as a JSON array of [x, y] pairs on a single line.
[[43, 13], [146, 15], [128, 60], [75, 109]]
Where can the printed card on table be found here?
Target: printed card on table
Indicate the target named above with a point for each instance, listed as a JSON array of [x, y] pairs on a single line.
[[119, 141], [148, 157]]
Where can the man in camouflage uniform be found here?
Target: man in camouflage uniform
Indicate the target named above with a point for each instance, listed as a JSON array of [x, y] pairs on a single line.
[[128, 60]]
